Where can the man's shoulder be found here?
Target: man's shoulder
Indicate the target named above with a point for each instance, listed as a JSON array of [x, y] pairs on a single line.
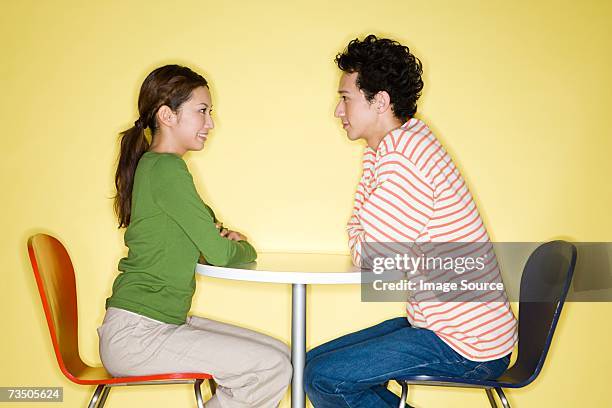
[[407, 140]]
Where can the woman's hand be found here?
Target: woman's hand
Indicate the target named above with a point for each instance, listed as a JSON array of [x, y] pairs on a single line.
[[235, 236], [222, 231], [229, 234]]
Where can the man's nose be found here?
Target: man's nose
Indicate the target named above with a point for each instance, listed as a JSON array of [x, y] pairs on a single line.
[[339, 112]]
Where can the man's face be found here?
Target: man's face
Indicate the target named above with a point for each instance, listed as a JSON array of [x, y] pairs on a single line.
[[358, 116]]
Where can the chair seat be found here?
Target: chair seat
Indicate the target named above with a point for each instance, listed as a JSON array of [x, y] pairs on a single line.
[[458, 382], [86, 375]]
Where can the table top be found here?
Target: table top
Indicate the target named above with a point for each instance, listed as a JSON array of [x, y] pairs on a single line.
[[289, 267]]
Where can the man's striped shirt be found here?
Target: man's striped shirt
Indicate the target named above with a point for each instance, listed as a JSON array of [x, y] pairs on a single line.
[[411, 191]]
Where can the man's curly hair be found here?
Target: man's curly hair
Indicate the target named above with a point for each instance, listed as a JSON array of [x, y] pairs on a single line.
[[385, 65]]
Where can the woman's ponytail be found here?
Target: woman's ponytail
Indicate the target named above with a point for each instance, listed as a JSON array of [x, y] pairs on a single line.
[[133, 145]]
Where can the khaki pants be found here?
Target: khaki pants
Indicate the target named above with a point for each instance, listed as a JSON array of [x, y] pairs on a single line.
[[251, 369]]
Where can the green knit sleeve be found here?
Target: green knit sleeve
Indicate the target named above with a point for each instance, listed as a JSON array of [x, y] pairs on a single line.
[[174, 192], [212, 213]]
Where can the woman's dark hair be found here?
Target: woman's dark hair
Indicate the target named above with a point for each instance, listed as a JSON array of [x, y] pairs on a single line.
[[170, 85], [385, 65]]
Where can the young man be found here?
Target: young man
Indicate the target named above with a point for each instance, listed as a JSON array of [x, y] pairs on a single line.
[[410, 192]]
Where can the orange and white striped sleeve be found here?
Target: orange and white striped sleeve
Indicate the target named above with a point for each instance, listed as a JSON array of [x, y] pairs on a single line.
[[397, 209], [354, 228]]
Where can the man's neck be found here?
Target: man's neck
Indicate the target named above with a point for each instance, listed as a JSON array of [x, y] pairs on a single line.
[[386, 126]]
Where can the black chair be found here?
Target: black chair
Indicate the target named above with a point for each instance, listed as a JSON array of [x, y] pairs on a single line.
[[544, 285]]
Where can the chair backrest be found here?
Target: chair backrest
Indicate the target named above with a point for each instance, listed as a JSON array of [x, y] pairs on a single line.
[[56, 285], [546, 279]]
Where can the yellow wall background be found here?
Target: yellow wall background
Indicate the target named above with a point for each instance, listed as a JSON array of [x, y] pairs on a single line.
[[518, 92]]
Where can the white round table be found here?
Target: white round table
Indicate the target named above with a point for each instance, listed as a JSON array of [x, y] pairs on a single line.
[[298, 269]]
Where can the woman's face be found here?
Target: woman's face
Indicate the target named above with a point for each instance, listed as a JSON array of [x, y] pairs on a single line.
[[194, 121]]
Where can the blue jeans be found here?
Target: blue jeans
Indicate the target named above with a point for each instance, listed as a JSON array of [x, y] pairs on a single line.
[[351, 371]]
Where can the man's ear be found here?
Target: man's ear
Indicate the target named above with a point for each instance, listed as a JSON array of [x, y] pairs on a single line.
[[166, 116], [382, 101]]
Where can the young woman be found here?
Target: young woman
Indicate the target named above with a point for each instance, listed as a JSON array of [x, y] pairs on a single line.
[[146, 329]]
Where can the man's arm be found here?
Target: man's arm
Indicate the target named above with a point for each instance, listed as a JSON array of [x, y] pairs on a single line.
[[397, 209], [354, 227]]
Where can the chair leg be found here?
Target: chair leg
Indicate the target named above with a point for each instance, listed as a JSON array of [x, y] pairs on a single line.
[[402, 402], [96, 394], [103, 397], [502, 397], [491, 398], [198, 393]]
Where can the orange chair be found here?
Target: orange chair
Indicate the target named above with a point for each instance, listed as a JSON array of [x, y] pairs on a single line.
[[56, 284]]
